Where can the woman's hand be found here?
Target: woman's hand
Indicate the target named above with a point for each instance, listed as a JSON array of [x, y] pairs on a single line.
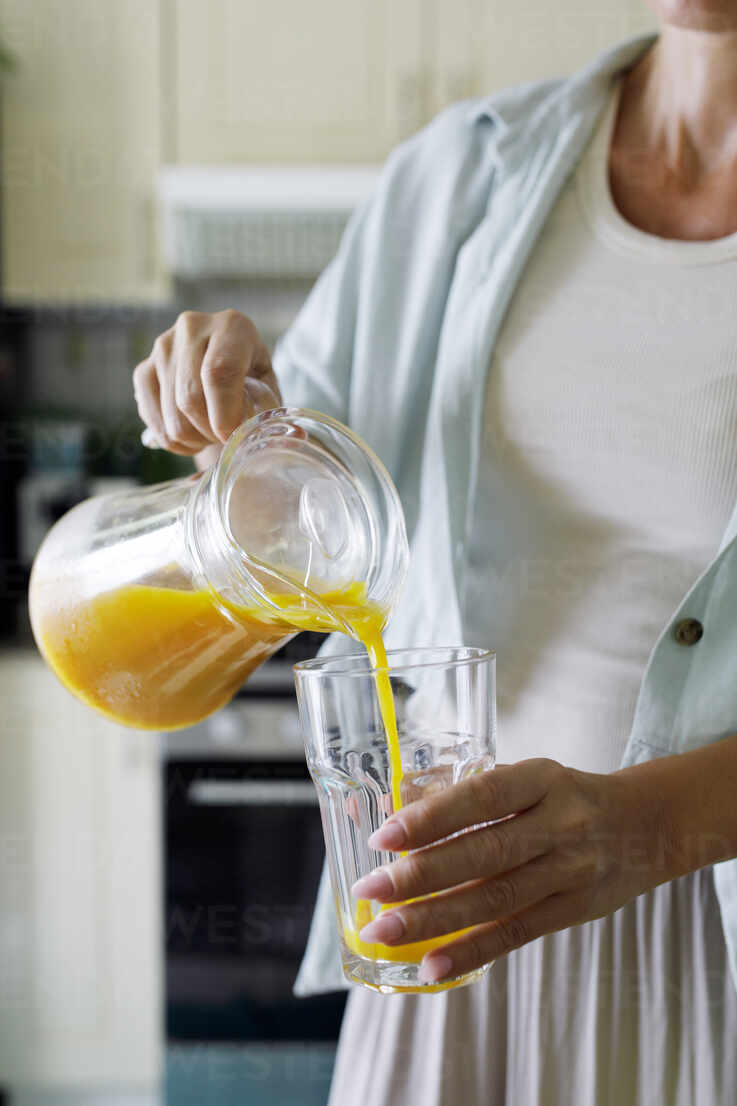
[[572, 846], [203, 378]]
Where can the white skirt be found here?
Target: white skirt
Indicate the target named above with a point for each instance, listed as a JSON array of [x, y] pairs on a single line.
[[636, 1009]]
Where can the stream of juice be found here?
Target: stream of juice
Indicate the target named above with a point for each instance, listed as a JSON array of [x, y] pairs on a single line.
[[161, 658], [368, 631]]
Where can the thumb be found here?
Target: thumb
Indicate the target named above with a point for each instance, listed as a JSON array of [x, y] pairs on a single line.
[[258, 396]]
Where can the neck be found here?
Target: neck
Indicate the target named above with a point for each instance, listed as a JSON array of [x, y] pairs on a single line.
[[681, 100]]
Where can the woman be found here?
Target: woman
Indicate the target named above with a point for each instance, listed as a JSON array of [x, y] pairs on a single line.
[[533, 323]]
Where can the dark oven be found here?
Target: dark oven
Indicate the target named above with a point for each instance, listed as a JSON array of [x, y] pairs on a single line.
[[243, 854]]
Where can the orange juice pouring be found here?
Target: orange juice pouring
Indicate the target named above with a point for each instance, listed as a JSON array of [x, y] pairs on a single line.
[[154, 605]]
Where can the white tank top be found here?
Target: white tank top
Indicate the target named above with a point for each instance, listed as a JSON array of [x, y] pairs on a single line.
[[609, 470]]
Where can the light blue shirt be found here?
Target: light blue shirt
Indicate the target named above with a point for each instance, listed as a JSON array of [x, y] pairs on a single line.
[[396, 339]]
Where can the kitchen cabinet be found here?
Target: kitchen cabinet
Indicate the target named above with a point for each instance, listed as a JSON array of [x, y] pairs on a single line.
[[81, 944], [81, 132], [514, 43], [107, 91], [336, 81], [452, 49], [345, 80]]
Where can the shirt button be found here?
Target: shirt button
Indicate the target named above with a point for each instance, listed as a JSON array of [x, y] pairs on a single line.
[[688, 631]]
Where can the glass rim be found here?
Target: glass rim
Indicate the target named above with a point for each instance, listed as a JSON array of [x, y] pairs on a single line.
[[343, 664]]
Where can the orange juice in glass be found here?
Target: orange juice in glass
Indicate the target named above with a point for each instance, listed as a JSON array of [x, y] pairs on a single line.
[[379, 738]]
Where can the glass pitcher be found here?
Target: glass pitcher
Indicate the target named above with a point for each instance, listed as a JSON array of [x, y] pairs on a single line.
[[154, 605]]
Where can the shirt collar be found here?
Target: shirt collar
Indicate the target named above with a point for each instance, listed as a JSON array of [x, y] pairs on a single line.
[[509, 111]]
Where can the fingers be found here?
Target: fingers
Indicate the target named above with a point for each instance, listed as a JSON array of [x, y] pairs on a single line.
[[205, 375], [486, 943], [237, 378], [262, 387], [504, 790], [148, 401], [154, 389], [352, 807], [181, 435], [258, 396], [469, 905], [191, 336], [477, 854]]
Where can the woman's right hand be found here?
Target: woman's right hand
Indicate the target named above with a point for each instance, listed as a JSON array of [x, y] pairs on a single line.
[[202, 379]]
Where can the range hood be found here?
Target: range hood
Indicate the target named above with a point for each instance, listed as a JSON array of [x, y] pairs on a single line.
[[257, 221]]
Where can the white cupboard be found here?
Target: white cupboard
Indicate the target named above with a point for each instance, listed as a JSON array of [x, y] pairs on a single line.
[[107, 91], [81, 942], [334, 81], [535, 39], [81, 142]]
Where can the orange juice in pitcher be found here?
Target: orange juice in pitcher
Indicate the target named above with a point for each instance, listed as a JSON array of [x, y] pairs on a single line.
[[154, 605]]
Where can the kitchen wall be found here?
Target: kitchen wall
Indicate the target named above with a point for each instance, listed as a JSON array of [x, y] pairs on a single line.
[[81, 358]]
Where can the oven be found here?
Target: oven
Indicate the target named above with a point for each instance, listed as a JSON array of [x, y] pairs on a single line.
[[243, 855]]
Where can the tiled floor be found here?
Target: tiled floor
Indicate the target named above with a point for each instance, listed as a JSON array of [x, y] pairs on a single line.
[[249, 1075]]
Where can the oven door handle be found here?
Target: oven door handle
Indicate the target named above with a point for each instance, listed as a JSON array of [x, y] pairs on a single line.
[[252, 793]]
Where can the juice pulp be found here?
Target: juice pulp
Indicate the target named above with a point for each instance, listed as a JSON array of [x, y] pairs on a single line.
[[151, 657], [162, 658]]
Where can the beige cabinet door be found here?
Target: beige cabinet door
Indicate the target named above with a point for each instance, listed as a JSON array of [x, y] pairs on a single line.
[[534, 39], [452, 28], [81, 131], [81, 945], [294, 82]]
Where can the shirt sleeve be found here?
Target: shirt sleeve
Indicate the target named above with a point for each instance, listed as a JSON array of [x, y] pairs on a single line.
[[372, 321], [313, 360]]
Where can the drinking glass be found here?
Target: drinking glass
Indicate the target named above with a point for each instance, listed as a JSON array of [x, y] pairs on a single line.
[[444, 701]]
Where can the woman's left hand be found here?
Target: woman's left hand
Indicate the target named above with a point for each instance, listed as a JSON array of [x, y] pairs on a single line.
[[572, 846]]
